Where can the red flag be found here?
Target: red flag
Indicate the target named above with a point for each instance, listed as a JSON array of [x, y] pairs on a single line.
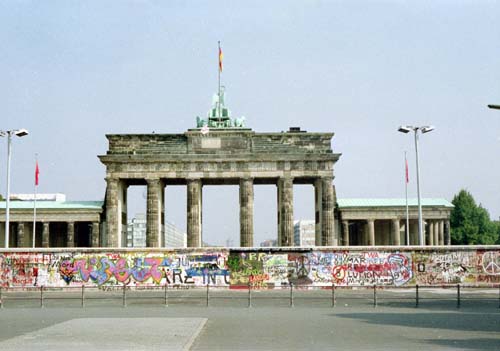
[[37, 173], [221, 56], [406, 171]]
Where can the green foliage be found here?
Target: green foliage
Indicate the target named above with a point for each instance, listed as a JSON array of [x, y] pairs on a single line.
[[470, 223], [1, 197]]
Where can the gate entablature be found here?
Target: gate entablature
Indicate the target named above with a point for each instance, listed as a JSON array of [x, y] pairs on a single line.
[[221, 156]]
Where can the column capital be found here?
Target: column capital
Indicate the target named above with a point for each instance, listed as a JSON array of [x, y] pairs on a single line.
[[152, 181], [111, 180]]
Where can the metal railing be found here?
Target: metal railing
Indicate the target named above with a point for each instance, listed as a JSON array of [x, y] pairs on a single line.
[[204, 295]]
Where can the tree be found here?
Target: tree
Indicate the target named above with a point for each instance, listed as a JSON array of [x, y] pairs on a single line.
[[470, 223]]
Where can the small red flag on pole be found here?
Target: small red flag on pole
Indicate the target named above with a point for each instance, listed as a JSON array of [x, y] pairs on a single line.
[[37, 173], [221, 56]]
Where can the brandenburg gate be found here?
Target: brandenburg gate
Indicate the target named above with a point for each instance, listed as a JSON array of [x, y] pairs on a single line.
[[220, 151]]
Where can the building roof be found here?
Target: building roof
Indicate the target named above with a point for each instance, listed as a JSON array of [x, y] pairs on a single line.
[[54, 205], [398, 202]]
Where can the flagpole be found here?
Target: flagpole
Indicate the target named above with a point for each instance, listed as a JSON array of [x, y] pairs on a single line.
[[218, 69], [407, 215], [34, 201]]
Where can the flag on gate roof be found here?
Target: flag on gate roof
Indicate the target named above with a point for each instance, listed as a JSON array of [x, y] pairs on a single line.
[[221, 56]]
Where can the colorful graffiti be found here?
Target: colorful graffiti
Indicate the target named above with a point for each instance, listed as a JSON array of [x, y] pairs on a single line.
[[257, 268], [322, 268], [115, 268]]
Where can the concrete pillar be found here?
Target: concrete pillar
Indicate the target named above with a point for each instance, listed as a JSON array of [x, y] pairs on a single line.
[[45, 234], [447, 232], [396, 238], [95, 234], [194, 213], [154, 211], [246, 212], [436, 232], [371, 232], [285, 189], [113, 215], [20, 234], [318, 193], [430, 225], [70, 234], [327, 200], [441, 232], [345, 233]]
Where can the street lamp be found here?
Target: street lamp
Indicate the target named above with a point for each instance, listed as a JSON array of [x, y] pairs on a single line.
[[423, 130], [9, 134], [496, 107]]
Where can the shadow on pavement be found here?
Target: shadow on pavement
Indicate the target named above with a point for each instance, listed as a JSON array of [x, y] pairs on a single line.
[[466, 321], [458, 321], [467, 344]]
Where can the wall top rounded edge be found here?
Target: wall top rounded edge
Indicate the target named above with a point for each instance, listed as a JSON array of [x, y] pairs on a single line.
[[253, 249]]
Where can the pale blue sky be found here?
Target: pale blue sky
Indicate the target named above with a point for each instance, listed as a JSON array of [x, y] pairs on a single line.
[[73, 71]]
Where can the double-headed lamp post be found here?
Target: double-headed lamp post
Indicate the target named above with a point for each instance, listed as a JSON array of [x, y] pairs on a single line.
[[423, 129], [9, 134]]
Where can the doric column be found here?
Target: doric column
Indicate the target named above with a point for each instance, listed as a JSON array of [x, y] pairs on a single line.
[[154, 213], [414, 232], [246, 212], [20, 234], [70, 234], [95, 234], [328, 202], [436, 232], [430, 225], [447, 233], [45, 234], [345, 233], [371, 232], [318, 194], [441, 232], [194, 213], [113, 215], [396, 238], [285, 189]]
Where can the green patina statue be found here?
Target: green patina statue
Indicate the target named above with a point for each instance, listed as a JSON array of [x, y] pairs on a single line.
[[219, 115]]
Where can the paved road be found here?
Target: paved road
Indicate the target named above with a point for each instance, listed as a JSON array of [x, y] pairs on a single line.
[[395, 324]]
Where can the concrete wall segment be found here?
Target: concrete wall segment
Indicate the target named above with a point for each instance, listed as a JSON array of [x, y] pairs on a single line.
[[260, 267]]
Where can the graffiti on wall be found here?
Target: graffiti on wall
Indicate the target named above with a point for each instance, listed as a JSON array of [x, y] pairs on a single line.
[[113, 268], [259, 269], [457, 267], [321, 268]]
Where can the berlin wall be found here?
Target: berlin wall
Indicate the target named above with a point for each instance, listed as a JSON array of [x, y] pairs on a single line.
[[258, 267]]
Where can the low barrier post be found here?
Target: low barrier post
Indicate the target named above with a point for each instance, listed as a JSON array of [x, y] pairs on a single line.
[[416, 296], [166, 295], [458, 295], [208, 294], [333, 295], [83, 296], [291, 294], [41, 296], [1, 301], [249, 295], [374, 295], [124, 300]]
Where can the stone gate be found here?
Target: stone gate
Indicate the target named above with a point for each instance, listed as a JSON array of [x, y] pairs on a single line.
[[217, 156]]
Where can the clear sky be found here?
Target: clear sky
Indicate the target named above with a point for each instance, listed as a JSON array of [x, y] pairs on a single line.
[[73, 71]]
